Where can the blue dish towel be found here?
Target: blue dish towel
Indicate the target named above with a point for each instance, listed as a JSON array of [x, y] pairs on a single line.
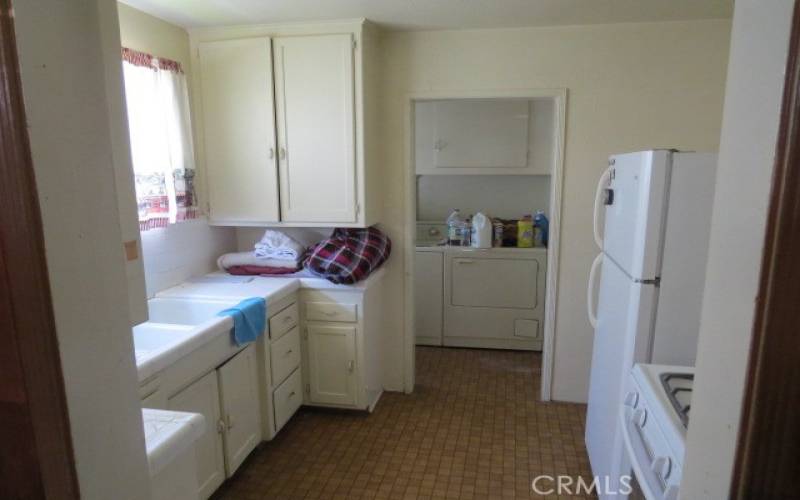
[[249, 319]]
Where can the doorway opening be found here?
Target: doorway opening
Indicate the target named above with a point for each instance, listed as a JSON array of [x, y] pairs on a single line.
[[498, 158]]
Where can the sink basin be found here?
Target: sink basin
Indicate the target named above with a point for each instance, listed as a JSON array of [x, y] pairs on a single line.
[[149, 337], [176, 327], [184, 311]]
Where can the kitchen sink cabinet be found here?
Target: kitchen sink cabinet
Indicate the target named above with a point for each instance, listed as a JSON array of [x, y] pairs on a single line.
[[203, 397], [227, 398]]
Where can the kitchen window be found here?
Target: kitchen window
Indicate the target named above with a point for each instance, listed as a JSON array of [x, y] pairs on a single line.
[[161, 140]]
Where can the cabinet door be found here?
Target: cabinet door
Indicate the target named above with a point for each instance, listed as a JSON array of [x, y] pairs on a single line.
[[428, 295], [239, 130], [332, 364], [203, 397], [314, 86], [238, 384], [481, 133]]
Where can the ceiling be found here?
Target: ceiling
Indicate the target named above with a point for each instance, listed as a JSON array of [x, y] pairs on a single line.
[[432, 14]]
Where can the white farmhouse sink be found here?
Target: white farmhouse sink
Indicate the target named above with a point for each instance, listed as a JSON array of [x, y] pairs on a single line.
[[154, 336], [176, 327], [185, 311]]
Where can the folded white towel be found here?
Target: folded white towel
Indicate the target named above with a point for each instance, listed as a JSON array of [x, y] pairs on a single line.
[[250, 259], [277, 245]]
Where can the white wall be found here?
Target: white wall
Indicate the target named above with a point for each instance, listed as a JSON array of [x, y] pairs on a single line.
[[504, 196], [630, 87], [759, 43], [180, 251], [64, 87]]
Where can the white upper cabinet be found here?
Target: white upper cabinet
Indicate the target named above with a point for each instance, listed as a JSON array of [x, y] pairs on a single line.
[[303, 154], [239, 131], [511, 136], [314, 89], [474, 133]]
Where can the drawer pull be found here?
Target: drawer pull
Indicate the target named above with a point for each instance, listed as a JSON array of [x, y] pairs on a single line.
[[288, 353], [465, 261], [330, 314], [291, 395], [287, 319]]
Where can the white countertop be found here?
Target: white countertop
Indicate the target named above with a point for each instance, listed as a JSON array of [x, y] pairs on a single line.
[[490, 251], [167, 434], [271, 288], [158, 345]]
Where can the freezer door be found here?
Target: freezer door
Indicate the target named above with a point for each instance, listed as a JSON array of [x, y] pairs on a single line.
[[683, 262], [635, 212], [625, 314]]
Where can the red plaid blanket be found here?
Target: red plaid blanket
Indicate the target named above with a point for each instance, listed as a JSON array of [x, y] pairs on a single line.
[[349, 255]]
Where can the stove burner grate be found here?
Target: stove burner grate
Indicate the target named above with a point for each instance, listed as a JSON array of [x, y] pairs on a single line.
[[678, 387]]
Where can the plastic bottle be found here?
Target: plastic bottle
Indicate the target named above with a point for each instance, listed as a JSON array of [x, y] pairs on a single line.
[[466, 231], [481, 231], [525, 232], [454, 228], [540, 221]]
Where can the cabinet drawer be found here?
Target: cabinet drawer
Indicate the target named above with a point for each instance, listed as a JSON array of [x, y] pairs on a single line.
[[331, 311], [287, 399], [285, 355], [283, 322]]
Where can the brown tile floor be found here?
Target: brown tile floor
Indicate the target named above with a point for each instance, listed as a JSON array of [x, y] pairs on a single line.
[[473, 429]]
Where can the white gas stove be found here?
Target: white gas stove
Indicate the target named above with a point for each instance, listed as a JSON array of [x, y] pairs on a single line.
[[655, 418]]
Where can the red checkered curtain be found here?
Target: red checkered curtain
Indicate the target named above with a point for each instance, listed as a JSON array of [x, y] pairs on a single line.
[[161, 139]]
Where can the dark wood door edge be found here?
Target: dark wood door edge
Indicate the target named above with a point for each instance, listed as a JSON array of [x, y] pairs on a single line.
[[768, 449], [36, 454]]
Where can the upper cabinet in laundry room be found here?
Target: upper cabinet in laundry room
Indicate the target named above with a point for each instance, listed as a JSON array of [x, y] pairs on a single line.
[[285, 123]]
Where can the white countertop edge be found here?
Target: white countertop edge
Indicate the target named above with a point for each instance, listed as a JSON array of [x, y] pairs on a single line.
[[151, 365], [493, 250], [168, 434]]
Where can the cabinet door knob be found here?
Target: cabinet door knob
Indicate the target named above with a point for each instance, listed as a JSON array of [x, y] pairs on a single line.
[[271, 153], [351, 365], [282, 153], [230, 421]]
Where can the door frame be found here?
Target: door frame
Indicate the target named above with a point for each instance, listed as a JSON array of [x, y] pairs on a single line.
[[769, 439], [553, 250], [37, 454]]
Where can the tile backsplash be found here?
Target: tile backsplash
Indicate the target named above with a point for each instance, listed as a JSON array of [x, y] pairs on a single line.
[[178, 252]]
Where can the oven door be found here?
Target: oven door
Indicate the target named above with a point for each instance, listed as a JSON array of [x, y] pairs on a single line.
[[655, 474]]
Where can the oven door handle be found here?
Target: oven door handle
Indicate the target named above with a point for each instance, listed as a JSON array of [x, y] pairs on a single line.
[[640, 459]]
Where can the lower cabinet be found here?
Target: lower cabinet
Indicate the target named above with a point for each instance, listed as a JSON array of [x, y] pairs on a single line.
[[238, 390], [203, 397], [225, 397], [332, 364]]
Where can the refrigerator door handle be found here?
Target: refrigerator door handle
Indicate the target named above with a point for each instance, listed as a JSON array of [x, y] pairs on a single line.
[[599, 204], [590, 306]]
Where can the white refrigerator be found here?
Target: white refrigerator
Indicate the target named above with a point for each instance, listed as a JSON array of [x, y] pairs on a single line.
[[657, 207]]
